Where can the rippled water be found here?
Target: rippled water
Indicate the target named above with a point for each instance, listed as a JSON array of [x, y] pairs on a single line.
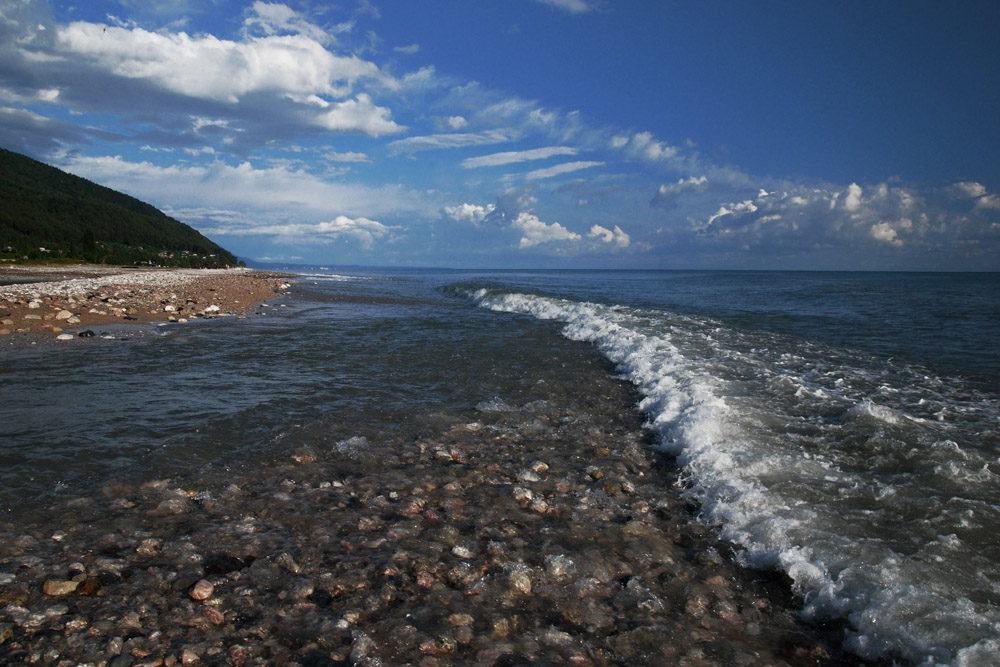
[[340, 359], [871, 480], [842, 428]]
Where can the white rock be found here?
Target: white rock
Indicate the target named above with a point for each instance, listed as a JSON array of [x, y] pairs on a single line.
[[528, 476], [522, 494], [63, 315], [65, 337], [539, 466], [539, 505], [520, 580], [559, 565]]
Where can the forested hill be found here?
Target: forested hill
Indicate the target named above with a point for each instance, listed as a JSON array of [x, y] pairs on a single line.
[[46, 214]]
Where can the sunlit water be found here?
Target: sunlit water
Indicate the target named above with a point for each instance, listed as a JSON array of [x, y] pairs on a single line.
[[842, 428]]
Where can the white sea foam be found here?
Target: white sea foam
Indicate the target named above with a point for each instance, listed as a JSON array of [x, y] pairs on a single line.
[[494, 405], [796, 463], [352, 445], [869, 410], [335, 277]]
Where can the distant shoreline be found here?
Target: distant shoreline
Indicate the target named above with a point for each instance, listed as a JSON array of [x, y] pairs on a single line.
[[42, 303]]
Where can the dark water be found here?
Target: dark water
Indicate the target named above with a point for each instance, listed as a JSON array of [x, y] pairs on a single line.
[[842, 428]]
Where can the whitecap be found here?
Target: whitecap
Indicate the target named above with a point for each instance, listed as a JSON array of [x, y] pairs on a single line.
[[811, 499]]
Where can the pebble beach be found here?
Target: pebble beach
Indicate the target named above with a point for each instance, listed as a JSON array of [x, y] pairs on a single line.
[[540, 531], [59, 302]]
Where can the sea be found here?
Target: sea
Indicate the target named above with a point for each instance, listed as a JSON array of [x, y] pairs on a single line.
[[841, 429]]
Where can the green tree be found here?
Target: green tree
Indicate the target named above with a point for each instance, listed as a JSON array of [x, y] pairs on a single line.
[[89, 246]]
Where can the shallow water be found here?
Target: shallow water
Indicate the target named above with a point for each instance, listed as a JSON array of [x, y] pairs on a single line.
[[811, 424]]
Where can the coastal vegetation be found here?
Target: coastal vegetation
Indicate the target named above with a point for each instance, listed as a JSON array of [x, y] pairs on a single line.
[[49, 215]]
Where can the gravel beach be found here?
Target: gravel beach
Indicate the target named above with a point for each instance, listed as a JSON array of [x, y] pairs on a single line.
[[43, 303], [541, 531], [489, 544]]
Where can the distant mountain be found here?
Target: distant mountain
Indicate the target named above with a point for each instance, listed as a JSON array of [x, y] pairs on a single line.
[[46, 213]]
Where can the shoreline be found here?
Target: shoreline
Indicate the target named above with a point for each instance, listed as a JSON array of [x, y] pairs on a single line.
[[480, 544], [45, 304], [545, 533]]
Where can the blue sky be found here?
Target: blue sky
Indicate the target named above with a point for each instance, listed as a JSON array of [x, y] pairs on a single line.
[[529, 133]]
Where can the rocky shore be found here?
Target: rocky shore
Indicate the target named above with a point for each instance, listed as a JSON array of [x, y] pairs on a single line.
[[43, 303], [529, 535], [542, 530]]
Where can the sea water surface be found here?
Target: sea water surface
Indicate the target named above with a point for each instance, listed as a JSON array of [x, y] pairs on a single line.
[[841, 428]]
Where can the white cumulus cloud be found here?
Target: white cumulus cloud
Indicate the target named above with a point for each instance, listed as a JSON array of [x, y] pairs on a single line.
[[615, 236], [989, 202], [684, 184], [643, 145], [971, 189], [358, 115], [737, 208], [803, 217], [852, 202], [216, 69], [666, 194], [888, 232], [977, 192], [536, 232], [469, 212]]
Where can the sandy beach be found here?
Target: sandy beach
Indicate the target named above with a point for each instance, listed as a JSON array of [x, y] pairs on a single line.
[[41, 303]]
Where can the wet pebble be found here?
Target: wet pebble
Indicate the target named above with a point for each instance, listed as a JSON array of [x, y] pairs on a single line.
[[202, 590], [520, 580], [213, 615], [57, 588], [541, 536]]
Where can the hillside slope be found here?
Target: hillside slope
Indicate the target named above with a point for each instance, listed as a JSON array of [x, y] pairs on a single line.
[[47, 213]]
